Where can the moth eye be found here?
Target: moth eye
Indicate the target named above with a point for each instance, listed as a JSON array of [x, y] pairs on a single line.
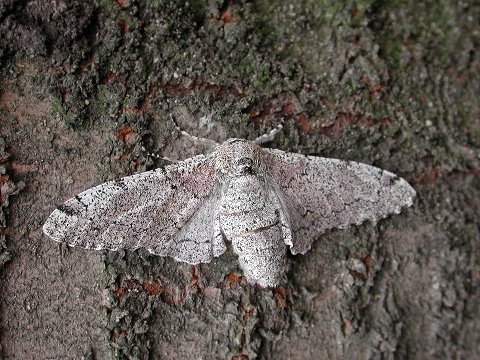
[[244, 161]]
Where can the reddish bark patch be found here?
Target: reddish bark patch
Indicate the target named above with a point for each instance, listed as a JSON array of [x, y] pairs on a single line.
[[344, 120], [138, 163], [119, 333], [168, 294], [376, 88], [144, 103], [153, 288], [234, 278], [240, 357], [131, 285], [121, 292], [123, 24], [302, 123], [248, 313], [225, 17], [125, 134], [376, 92], [108, 78], [121, 3], [367, 260], [289, 108], [267, 110], [279, 297], [195, 282], [430, 175]]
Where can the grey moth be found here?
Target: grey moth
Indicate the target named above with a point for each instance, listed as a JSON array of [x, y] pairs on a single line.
[[263, 201]]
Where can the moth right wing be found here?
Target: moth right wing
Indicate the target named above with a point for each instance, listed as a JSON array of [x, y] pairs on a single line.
[[317, 194], [167, 211]]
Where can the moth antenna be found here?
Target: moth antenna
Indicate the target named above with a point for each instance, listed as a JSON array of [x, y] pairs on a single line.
[[270, 136], [157, 156], [210, 143]]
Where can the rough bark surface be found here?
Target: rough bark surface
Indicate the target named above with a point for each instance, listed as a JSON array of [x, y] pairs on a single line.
[[85, 86]]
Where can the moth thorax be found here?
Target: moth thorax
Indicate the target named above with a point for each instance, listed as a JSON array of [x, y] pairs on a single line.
[[244, 194]]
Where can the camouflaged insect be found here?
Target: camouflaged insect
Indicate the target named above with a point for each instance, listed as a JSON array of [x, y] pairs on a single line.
[[261, 200]]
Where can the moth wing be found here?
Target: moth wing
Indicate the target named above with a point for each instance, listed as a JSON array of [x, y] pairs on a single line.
[[317, 194], [200, 239], [156, 210]]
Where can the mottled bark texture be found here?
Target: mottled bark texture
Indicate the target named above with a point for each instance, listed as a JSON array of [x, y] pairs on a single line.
[[85, 86]]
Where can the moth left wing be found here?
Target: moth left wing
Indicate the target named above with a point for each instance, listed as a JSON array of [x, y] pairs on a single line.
[[317, 194], [162, 210]]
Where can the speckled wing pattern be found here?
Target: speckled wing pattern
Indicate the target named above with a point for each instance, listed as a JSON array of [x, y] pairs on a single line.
[[166, 211], [318, 194]]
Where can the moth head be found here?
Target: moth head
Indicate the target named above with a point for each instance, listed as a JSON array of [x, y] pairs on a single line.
[[238, 157]]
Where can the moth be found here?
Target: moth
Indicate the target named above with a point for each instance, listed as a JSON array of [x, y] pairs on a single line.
[[262, 201]]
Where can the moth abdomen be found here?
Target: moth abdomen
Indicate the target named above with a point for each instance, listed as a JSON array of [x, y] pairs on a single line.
[[262, 255]]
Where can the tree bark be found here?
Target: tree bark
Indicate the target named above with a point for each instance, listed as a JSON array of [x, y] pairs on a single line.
[[90, 88]]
